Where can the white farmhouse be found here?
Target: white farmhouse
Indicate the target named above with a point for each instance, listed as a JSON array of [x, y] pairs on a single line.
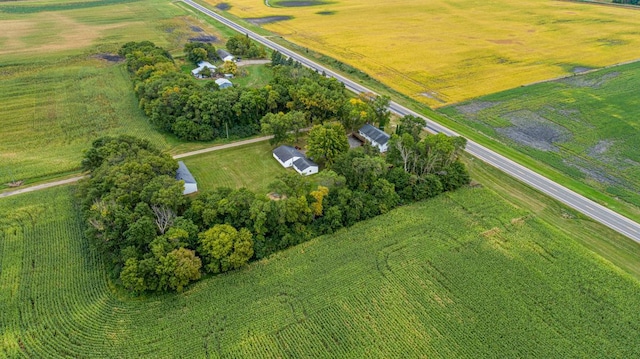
[[183, 174], [286, 155], [201, 66], [305, 166], [375, 136]]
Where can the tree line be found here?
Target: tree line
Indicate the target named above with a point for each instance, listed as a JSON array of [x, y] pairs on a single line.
[[175, 102], [155, 239]]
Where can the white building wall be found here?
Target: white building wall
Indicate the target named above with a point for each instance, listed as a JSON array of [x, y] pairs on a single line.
[[190, 188]]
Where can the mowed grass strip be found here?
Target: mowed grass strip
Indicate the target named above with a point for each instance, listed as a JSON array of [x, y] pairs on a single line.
[[442, 52], [462, 275], [251, 166]]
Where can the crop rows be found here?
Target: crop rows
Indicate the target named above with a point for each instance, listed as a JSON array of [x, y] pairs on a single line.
[[441, 288]]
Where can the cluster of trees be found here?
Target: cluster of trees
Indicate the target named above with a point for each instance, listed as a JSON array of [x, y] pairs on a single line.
[[155, 239], [175, 103], [240, 45], [134, 208], [630, 2], [199, 51]]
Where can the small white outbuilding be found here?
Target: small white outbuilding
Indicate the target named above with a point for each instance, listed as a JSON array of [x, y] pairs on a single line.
[[305, 166], [223, 83], [183, 174]]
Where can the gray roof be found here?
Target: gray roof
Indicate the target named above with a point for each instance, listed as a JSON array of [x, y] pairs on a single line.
[[221, 82], [285, 153], [223, 53], [184, 174], [375, 134], [303, 163]]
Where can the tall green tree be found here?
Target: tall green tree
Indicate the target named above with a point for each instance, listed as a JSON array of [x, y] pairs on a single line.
[[224, 248], [177, 269], [285, 128], [326, 142]]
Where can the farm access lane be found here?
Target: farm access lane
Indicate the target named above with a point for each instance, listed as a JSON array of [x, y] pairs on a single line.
[[178, 156], [554, 190]]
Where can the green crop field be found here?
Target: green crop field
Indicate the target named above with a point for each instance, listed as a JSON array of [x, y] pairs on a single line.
[[251, 166], [586, 126], [61, 86], [462, 275]]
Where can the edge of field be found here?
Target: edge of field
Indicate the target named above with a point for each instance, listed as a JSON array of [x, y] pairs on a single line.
[[626, 209]]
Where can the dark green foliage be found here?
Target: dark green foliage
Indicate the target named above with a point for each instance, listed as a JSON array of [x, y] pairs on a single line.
[[131, 202], [241, 45], [175, 103], [199, 51], [630, 2], [326, 142]]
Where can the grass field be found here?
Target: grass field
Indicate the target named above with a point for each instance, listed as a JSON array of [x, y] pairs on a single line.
[[465, 50], [58, 92], [469, 276], [251, 166], [586, 126]]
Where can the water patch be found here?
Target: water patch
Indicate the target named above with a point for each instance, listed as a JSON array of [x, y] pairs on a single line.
[[223, 6], [268, 19]]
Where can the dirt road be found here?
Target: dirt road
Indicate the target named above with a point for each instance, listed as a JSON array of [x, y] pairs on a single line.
[[178, 156]]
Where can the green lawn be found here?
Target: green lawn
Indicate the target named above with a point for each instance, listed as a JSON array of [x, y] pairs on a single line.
[[258, 76], [251, 166], [585, 126], [462, 275]]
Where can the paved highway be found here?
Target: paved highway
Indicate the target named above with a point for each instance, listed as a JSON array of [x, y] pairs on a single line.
[[578, 202]]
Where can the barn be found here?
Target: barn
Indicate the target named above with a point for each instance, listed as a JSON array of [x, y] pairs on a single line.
[[183, 174], [375, 136]]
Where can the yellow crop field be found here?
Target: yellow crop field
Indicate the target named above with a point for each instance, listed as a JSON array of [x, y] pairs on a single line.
[[445, 51]]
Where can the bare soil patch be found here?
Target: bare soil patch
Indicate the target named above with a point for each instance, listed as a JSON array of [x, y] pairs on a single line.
[[432, 95], [473, 108], [590, 81], [532, 130], [593, 172], [204, 38], [196, 28], [326, 12], [267, 19], [115, 58], [580, 69], [600, 148]]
